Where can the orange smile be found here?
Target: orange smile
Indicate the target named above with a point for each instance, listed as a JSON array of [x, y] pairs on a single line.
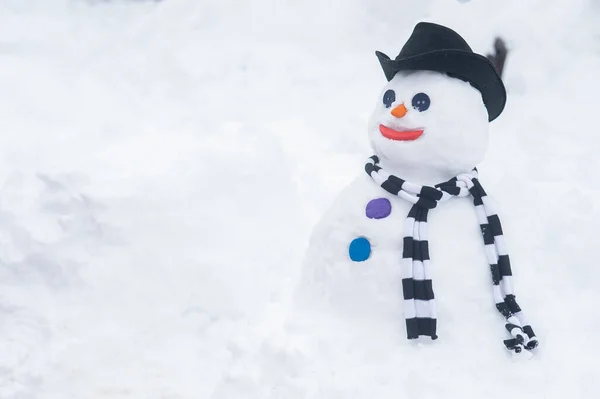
[[397, 135]]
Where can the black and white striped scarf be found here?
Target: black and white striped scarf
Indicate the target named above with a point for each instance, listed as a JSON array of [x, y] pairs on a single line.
[[419, 302]]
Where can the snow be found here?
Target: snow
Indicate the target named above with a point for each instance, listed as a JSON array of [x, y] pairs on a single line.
[[163, 165]]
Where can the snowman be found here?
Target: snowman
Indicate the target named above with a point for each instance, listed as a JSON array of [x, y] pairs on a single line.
[[375, 253]]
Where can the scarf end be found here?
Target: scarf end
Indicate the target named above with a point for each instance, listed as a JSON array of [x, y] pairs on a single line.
[[421, 326], [517, 346]]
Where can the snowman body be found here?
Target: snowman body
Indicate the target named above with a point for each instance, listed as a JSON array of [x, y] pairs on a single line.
[[426, 128], [371, 290]]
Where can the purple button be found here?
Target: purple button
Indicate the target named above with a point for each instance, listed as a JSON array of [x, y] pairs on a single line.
[[379, 208]]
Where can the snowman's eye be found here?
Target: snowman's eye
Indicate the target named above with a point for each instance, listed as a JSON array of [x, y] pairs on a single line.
[[388, 98], [421, 102]]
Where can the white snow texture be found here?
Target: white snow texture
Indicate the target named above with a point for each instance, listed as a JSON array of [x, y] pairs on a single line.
[[164, 163]]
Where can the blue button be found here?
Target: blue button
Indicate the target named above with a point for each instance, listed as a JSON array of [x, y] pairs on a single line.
[[360, 249]]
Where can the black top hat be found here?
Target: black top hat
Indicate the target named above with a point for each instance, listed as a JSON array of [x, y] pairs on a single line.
[[434, 47]]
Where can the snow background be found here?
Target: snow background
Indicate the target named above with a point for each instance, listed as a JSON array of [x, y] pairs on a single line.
[[162, 166]]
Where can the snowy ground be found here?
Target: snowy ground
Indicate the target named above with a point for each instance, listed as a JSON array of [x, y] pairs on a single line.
[[162, 167]]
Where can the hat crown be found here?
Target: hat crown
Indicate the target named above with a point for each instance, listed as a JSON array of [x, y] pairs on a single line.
[[428, 37]]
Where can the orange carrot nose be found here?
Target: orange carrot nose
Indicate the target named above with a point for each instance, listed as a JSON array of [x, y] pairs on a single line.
[[399, 111]]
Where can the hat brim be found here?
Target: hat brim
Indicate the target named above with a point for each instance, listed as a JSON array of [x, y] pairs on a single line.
[[471, 67]]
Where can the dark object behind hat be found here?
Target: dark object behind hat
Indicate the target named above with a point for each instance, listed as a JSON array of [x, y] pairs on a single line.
[[498, 58], [433, 47]]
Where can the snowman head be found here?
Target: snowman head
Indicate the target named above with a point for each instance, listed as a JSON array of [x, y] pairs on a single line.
[[428, 121]]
